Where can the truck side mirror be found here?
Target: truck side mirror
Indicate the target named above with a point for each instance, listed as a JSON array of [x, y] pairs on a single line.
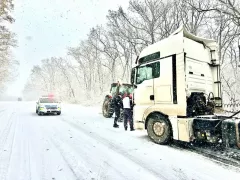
[[133, 75]]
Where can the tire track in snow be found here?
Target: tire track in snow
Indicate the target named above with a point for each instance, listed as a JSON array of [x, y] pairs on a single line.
[[6, 143], [50, 163], [78, 170], [25, 171], [87, 159], [70, 160], [2, 112], [19, 161], [44, 161], [29, 159], [116, 148]]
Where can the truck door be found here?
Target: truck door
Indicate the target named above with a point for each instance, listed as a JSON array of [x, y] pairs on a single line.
[[144, 91], [164, 83]]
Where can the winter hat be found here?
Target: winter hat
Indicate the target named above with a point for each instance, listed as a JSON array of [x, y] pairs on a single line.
[[120, 82]]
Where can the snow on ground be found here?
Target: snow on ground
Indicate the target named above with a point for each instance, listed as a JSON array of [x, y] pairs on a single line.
[[81, 144]]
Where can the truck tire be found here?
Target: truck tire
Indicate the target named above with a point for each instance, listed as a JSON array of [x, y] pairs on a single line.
[[159, 129], [106, 108]]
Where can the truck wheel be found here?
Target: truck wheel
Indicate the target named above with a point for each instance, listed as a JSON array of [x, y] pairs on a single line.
[[159, 129], [106, 108]]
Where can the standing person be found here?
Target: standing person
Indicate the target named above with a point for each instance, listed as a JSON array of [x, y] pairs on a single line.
[[127, 112], [117, 101]]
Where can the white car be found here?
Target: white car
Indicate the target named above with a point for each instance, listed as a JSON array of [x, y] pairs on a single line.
[[48, 105]]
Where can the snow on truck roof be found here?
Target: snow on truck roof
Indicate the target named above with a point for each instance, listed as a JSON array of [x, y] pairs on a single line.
[[188, 35], [174, 43]]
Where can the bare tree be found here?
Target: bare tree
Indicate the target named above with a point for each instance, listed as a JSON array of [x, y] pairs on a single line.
[[223, 7], [109, 51], [107, 47], [6, 6], [7, 41]]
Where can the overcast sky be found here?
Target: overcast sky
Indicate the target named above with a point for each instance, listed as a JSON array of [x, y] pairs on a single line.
[[45, 28]]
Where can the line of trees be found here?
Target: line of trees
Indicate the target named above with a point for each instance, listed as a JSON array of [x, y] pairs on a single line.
[[7, 41], [107, 54]]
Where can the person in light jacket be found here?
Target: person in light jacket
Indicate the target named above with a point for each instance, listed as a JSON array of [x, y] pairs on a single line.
[[127, 112]]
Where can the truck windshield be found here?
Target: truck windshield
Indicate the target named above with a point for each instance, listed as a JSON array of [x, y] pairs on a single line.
[[148, 72], [48, 100]]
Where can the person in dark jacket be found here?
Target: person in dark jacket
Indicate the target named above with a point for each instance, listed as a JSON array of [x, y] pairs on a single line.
[[117, 107], [117, 101]]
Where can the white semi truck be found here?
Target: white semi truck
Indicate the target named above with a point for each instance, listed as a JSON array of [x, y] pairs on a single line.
[[177, 90]]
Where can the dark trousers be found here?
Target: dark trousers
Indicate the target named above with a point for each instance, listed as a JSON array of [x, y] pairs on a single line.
[[117, 115], [127, 114]]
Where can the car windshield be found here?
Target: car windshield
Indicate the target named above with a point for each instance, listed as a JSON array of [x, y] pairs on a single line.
[[48, 100]]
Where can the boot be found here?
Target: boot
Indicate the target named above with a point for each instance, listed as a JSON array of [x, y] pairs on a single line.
[[115, 125]]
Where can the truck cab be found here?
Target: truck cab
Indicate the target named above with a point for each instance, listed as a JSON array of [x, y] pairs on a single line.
[[176, 80]]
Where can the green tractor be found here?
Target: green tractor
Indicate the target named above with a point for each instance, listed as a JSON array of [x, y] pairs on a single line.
[[108, 106]]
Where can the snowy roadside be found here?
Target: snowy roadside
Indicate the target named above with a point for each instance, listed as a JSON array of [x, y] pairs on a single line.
[[226, 156], [81, 143]]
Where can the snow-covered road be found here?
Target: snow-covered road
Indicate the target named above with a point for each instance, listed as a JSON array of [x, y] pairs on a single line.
[[81, 144]]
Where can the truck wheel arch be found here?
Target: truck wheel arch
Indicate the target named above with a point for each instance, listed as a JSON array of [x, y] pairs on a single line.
[[156, 119], [155, 112]]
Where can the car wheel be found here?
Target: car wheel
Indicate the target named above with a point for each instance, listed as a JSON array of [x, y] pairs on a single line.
[[40, 113], [159, 129], [58, 113]]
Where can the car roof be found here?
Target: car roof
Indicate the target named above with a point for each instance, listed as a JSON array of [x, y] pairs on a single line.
[[47, 98]]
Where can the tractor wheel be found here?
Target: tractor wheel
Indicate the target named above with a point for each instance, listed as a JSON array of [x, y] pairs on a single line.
[[107, 111], [159, 129]]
